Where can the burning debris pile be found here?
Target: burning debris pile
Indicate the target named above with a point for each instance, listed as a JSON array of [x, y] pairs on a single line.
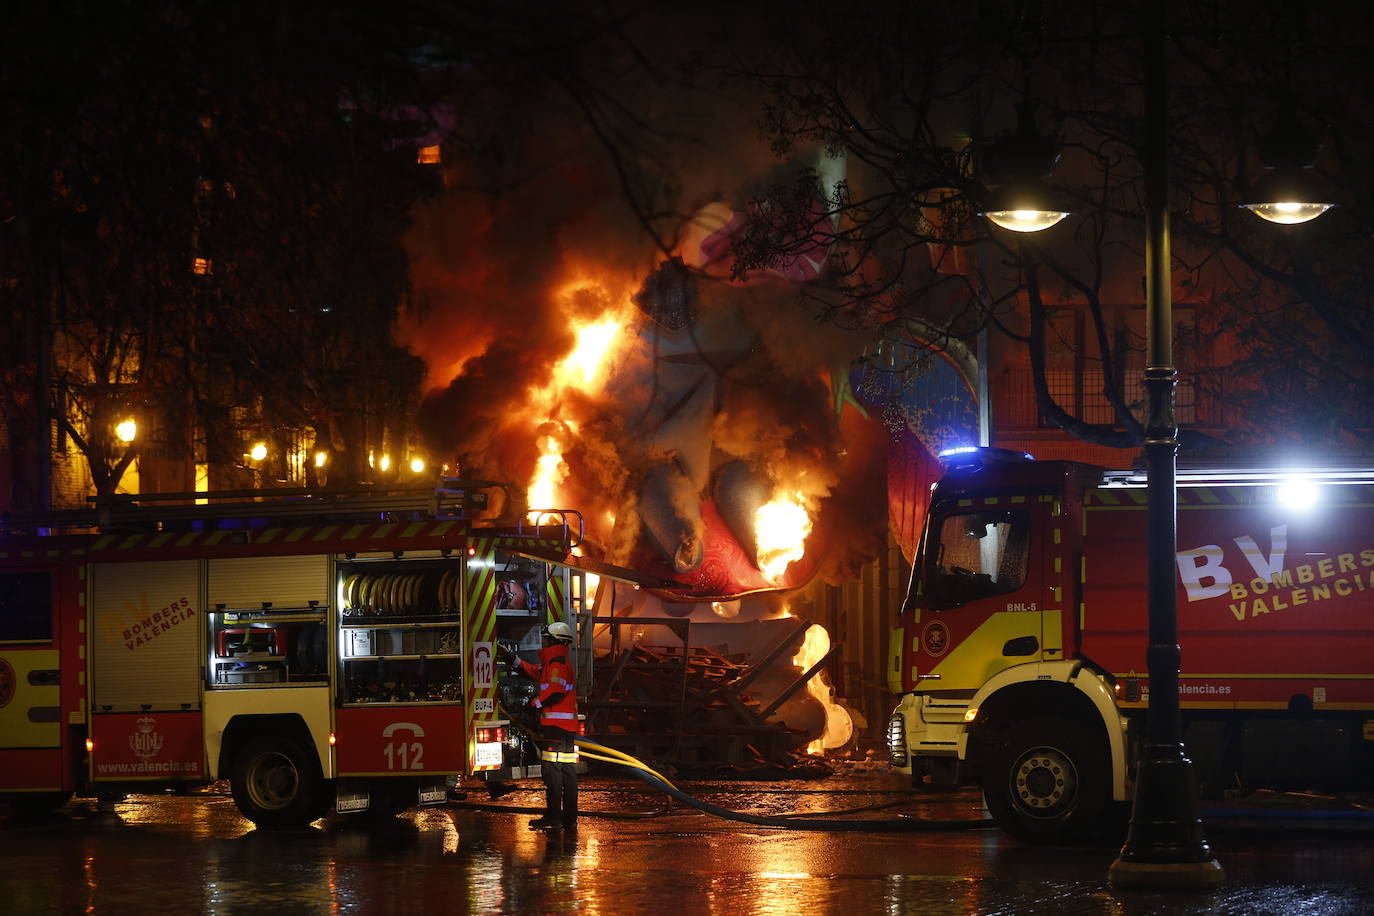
[[689, 707]]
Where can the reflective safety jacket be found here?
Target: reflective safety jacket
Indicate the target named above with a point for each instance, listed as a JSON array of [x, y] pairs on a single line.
[[557, 700]]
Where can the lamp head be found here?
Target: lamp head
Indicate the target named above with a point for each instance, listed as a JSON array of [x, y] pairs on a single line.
[[1025, 204], [1289, 195], [1015, 163], [1291, 192]]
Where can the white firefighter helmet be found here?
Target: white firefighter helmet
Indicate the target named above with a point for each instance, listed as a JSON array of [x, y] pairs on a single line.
[[559, 631]]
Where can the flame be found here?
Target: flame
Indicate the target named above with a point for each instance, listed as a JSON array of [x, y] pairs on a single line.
[[780, 528], [839, 727], [582, 369], [589, 353], [549, 471]]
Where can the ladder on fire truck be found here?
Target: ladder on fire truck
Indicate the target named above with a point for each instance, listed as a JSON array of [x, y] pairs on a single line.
[[453, 498]]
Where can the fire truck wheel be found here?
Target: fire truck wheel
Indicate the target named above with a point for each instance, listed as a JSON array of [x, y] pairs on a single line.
[[32, 805], [1049, 781], [275, 782]]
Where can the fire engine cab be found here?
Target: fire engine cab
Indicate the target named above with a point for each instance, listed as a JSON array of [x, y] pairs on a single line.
[[322, 653], [1020, 651]]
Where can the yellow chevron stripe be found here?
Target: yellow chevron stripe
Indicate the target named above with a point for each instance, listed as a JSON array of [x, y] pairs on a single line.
[[325, 533], [479, 625], [554, 605]]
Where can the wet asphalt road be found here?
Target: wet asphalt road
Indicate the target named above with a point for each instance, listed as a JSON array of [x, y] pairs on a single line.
[[196, 854]]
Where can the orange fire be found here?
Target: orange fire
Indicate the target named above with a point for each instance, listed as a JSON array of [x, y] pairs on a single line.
[[549, 472], [589, 353], [839, 727], [582, 369], [780, 528]]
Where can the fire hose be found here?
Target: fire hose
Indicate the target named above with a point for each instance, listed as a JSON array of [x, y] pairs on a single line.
[[600, 752], [594, 750]]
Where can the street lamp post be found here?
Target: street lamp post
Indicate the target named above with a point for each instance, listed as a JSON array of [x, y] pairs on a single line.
[[1165, 846]]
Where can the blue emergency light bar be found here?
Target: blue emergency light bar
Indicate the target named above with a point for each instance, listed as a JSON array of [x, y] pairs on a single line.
[[975, 456]]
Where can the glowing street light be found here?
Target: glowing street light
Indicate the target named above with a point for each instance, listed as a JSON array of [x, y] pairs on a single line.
[[1291, 193], [1289, 196], [1027, 205], [1015, 162], [259, 451], [126, 431]]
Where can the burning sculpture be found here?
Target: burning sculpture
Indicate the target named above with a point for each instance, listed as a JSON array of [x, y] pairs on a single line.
[[689, 415], [711, 432]]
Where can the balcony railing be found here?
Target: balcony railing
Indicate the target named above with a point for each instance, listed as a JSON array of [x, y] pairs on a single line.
[[1080, 394]]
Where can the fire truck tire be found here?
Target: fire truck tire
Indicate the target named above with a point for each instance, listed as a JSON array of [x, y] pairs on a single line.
[[1048, 782], [30, 805], [276, 782]]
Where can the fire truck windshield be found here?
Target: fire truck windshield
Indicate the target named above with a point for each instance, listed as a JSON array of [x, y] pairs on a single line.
[[975, 555]]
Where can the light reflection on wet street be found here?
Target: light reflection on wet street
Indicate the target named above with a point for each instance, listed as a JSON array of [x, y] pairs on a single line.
[[196, 854]]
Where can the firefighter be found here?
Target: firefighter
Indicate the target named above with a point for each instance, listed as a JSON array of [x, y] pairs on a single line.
[[557, 706]]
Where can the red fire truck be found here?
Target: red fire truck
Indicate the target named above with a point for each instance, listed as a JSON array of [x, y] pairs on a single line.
[[1019, 654], [319, 652]]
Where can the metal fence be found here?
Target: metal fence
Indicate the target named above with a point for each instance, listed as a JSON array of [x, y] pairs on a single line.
[[1080, 394]]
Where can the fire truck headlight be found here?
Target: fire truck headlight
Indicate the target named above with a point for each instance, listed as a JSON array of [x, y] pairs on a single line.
[[970, 714], [1298, 493]]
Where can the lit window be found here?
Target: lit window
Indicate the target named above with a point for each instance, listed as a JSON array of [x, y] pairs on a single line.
[[428, 155], [201, 266]]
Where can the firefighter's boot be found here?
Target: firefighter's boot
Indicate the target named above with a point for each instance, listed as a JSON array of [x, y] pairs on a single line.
[[545, 823]]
